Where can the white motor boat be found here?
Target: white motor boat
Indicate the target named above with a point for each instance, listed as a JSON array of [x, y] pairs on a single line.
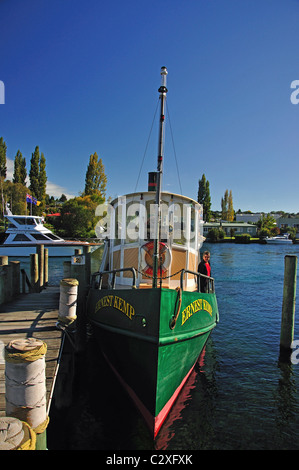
[[279, 239], [24, 232]]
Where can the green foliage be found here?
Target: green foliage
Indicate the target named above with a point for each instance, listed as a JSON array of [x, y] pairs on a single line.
[[38, 179], [42, 177], [20, 172], [95, 180], [78, 218], [263, 233], [34, 172], [215, 234], [3, 168], [227, 209], [204, 198], [244, 238], [15, 195], [230, 208], [266, 226], [291, 230]]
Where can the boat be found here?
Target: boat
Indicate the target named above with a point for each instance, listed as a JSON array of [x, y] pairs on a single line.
[[24, 233], [144, 304], [279, 239]]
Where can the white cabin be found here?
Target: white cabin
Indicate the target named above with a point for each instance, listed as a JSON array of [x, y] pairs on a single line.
[[130, 230]]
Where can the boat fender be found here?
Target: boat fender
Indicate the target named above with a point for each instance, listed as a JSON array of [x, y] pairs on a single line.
[[147, 258]]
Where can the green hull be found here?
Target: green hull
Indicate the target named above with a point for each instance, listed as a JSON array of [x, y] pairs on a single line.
[[152, 339]]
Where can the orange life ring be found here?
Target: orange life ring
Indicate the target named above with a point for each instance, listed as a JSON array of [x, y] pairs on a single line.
[[147, 259]]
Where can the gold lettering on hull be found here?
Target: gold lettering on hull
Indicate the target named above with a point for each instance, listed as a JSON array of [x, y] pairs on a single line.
[[116, 302], [196, 306]]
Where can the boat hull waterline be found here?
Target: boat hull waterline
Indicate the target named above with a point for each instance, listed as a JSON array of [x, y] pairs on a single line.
[[150, 355]]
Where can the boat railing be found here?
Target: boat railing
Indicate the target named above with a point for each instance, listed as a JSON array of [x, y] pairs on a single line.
[[210, 283], [100, 275]]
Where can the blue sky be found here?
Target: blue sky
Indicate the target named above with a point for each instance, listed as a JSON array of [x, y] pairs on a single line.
[[82, 77]]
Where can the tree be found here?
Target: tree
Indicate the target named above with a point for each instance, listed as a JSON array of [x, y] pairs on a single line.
[[95, 180], [227, 208], [215, 234], [78, 218], [3, 168], [15, 196], [224, 206], [204, 198], [266, 226], [38, 179], [230, 208], [42, 179], [34, 172], [20, 172]]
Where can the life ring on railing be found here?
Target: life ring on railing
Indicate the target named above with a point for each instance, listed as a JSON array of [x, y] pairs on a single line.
[[147, 258]]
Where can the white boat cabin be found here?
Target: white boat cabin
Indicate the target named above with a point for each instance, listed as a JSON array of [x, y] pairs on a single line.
[[130, 229], [27, 229]]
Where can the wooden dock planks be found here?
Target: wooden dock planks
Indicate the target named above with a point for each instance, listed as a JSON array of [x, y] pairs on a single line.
[[32, 315]]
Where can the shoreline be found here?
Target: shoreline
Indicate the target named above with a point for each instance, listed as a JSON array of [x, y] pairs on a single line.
[[243, 242]]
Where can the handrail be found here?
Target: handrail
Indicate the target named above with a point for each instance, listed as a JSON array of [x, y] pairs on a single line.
[[113, 272], [211, 283]]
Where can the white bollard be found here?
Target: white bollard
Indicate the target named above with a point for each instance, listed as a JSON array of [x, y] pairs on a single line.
[[68, 300], [25, 382], [16, 434]]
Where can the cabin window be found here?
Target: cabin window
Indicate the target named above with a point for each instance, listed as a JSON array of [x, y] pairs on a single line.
[[20, 237], [129, 222], [11, 225], [52, 236], [165, 226], [135, 222], [25, 221], [39, 236]]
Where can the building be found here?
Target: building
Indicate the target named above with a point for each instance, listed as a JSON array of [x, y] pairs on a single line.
[[253, 218], [239, 228], [284, 222]]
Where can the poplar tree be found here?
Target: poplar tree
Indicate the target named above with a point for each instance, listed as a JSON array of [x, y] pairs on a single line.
[[38, 178], [227, 208], [204, 198], [42, 179], [230, 208], [20, 172], [224, 206], [95, 179], [3, 168], [34, 172]]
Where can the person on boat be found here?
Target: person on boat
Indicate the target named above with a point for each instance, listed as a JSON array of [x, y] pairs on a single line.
[[204, 267]]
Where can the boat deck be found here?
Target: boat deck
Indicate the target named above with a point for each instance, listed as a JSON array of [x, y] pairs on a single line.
[[32, 315]]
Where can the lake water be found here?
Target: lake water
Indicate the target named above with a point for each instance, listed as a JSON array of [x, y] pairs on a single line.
[[240, 396]]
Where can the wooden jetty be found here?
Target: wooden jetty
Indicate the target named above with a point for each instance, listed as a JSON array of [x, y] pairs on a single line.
[[32, 315]]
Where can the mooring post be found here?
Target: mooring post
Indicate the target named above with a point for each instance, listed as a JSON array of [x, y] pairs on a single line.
[[15, 277], [78, 271], [34, 271], [288, 304], [6, 280], [25, 385], [41, 265], [3, 260], [46, 267], [16, 434], [68, 301]]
